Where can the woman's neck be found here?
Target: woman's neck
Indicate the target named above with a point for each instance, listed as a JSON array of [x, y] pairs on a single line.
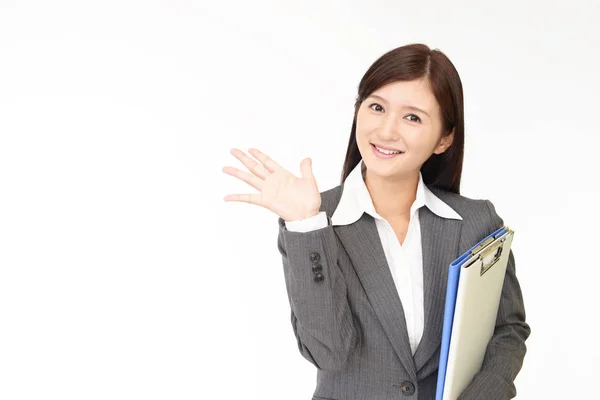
[[392, 196]]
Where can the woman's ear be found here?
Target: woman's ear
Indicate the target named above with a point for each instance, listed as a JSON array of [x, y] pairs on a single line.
[[445, 143]]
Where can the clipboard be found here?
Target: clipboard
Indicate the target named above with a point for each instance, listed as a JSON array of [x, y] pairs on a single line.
[[475, 281]]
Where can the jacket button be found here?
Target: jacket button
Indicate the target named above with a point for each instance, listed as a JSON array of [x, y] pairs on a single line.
[[408, 388], [319, 278], [315, 257], [317, 268]]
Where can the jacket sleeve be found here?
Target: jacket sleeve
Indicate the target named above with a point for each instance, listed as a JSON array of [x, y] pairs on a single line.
[[506, 350], [320, 313]]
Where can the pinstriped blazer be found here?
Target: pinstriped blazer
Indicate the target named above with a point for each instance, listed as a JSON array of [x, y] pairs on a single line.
[[351, 324]]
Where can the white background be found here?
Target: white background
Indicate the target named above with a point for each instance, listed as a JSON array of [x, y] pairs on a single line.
[[124, 274]]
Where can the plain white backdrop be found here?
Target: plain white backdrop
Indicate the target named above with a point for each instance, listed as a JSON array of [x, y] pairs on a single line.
[[124, 274]]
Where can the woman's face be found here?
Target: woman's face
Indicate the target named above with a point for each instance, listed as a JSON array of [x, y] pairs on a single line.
[[404, 116]]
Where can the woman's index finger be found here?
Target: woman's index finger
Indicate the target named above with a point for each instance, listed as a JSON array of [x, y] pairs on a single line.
[[267, 161]]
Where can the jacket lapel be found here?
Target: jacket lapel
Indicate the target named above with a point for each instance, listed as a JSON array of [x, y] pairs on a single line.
[[440, 245], [362, 243]]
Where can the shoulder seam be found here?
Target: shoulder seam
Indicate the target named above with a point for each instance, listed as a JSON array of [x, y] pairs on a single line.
[[495, 224]]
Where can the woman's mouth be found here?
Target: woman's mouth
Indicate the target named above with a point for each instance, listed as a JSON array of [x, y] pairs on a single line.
[[382, 153]]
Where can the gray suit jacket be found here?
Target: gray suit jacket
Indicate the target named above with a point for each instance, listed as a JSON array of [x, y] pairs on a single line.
[[351, 324]]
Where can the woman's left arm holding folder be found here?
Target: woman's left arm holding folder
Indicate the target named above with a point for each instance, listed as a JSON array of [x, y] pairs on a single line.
[[506, 350]]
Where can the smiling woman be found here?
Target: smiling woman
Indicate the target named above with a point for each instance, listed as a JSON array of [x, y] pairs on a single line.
[[365, 263], [414, 104]]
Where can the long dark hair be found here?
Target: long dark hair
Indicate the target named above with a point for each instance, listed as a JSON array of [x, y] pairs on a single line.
[[406, 63]]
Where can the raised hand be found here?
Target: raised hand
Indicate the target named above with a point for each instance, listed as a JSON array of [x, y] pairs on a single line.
[[280, 191]]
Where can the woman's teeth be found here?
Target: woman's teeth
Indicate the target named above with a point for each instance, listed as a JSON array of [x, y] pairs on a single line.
[[387, 151]]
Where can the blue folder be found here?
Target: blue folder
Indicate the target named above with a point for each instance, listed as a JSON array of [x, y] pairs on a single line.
[[451, 292]]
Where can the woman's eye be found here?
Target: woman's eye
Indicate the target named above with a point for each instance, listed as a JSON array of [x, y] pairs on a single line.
[[415, 120], [375, 104]]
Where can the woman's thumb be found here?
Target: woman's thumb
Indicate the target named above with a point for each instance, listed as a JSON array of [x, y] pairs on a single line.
[[306, 168]]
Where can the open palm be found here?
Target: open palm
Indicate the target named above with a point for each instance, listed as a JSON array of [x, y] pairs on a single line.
[[290, 197]]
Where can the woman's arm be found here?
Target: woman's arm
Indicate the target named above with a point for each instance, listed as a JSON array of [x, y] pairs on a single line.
[[506, 350], [320, 313]]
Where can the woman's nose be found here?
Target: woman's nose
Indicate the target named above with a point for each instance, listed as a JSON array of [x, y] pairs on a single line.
[[389, 130]]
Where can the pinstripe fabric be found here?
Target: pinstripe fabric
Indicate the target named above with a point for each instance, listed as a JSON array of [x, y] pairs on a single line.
[[352, 327]]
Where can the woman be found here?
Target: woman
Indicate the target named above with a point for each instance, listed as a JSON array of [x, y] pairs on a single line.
[[366, 262]]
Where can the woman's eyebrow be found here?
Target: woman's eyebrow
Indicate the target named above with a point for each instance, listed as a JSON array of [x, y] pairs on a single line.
[[409, 107]]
